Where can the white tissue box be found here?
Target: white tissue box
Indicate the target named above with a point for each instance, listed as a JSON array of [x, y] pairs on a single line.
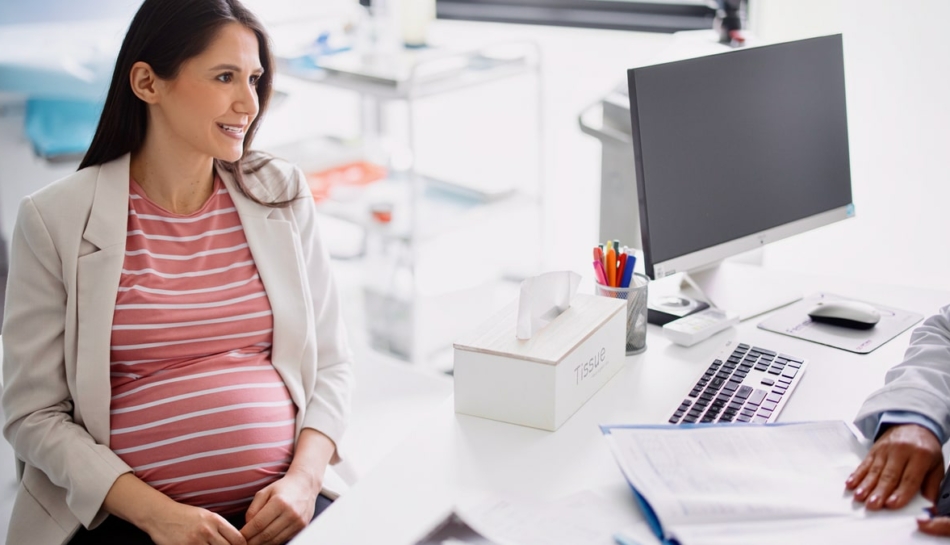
[[542, 381]]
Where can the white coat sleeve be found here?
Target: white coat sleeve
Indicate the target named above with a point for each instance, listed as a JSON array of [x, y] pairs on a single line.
[[921, 383]]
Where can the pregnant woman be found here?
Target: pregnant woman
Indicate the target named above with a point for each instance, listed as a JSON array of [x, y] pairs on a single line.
[[175, 369]]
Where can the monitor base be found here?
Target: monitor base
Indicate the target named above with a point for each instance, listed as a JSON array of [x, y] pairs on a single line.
[[744, 289]]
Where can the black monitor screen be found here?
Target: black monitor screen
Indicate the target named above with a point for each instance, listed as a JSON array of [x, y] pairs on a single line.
[[730, 145]]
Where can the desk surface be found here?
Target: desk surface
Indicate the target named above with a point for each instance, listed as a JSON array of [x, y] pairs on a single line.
[[450, 457]]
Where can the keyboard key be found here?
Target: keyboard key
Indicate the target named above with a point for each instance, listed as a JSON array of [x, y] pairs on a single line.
[[706, 397], [768, 405], [702, 402], [694, 393], [679, 413], [743, 392], [740, 375], [726, 418], [742, 346], [790, 372], [773, 397], [685, 403], [695, 412], [756, 397], [779, 390], [794, 364], [743, 418], [785, 381], [748, 411], [745, 367], [729, 366], [716, 383], [759, 419], [735, 405], [674, 419], [689, 419], [768, 381], [781, 360], [764, 351], [707, 419], [764, 412], [761, 367], [730, 386], [774, 371], [723, 374]]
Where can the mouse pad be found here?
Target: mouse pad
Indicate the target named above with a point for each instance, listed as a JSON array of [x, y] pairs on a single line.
[[793, 321]]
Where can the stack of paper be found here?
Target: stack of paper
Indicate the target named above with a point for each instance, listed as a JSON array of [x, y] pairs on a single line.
[[753, 484]]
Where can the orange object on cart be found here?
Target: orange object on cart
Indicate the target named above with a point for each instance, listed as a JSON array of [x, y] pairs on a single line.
[[357, 173]]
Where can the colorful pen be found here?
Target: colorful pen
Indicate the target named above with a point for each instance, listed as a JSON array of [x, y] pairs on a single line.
[[599, 272], [611, 267], [629, 261], [599, 254], [621, 268]]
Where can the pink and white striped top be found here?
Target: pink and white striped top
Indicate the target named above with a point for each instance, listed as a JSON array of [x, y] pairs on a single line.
[[198, 409]]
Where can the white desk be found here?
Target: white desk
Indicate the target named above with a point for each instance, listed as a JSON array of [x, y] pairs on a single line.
[[450, 457]]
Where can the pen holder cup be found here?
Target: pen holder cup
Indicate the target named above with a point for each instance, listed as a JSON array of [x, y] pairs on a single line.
[[636, 297]]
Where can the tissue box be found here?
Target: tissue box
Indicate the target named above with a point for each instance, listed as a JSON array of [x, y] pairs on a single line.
[[542, 381]]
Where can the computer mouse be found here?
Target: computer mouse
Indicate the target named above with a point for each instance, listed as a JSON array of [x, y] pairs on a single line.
[[851, 314]]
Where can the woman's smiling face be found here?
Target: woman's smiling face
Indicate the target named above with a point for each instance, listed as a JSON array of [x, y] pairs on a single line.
[[211, 103]]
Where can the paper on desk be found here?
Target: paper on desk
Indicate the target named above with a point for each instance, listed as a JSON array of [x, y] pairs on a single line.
[[722, 474], [884, 528], [585, 518], [543, 298]]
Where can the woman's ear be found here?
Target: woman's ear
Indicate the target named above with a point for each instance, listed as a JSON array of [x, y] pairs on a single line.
[[144, 82]]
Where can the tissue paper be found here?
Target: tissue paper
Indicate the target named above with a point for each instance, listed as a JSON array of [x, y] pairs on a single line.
[[543, 298]]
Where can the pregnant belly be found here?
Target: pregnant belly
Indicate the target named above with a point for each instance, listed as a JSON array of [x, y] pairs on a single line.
[[209, 434]]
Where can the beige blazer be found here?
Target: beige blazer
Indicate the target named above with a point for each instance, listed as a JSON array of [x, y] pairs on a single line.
[[67, 253]]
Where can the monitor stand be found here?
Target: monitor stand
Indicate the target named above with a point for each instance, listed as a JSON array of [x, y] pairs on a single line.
[[741, 288]]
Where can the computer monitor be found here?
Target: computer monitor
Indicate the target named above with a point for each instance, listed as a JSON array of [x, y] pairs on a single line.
[[736, 150]]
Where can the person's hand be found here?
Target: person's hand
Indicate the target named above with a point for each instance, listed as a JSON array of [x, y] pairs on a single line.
[[904, 460], [180, 524], [937, 526], [281, 510]]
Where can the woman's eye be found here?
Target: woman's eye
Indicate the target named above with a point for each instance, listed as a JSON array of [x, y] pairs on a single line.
[[225, 78], [255, 79]]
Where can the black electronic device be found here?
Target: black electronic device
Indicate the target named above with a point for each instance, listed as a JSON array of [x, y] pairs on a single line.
[[663, 310], [942, 507], [736, 150]]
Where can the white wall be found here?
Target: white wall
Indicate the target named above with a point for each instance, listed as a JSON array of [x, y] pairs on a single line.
[[898, 88], [897, 83]]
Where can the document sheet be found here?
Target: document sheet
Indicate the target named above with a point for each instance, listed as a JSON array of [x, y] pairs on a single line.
[[727, 477]]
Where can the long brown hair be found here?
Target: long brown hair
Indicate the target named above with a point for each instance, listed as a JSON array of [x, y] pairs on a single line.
[[165, 34]]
